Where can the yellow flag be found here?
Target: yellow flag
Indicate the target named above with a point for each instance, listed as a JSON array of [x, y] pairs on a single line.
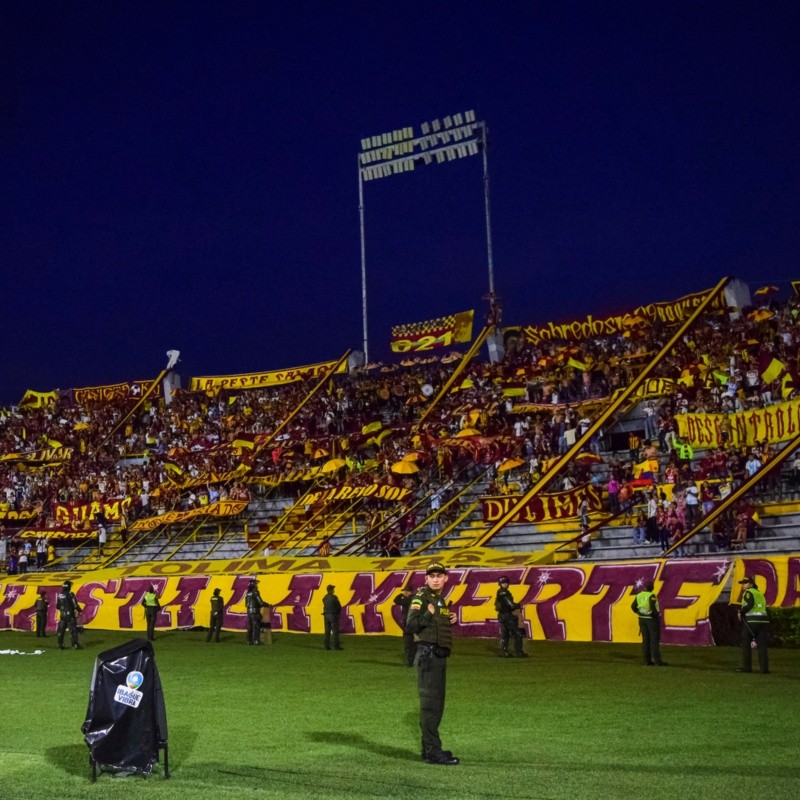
[[773, 370]]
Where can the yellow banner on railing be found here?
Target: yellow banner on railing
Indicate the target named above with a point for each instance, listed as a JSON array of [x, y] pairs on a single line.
[[776, 423], [222, 508], [258, 380]]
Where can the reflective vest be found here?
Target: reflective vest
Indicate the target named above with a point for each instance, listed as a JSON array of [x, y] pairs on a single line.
[[150, 599], [643, 606], [758, 612]]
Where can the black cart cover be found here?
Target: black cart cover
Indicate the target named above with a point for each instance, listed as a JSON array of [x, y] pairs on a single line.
[[126, 719]]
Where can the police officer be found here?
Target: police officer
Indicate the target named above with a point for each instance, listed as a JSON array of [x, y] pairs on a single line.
[[409, 645], [254, 603], [645, 606], [151, 606], [509, 622], [431, 621], [217, 608], [331, 609], [41, 608], [755, 626], [68, 610]]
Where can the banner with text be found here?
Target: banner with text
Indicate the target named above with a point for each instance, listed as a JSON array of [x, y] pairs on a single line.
[[79, 515], [130, 390], [776, 423], [544, 507], [575, 602], [260, 380], [433, 333], [222, 508], [669, 313]]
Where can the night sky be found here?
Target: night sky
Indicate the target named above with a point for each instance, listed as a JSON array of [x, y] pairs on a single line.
[[183, 174]]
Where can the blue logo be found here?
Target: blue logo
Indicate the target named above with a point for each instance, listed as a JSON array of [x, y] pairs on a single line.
[[134, 680]]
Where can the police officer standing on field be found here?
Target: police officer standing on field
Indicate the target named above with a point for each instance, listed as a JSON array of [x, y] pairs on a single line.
[[254, 603], [645, 606], [431, 621], [151, 606], [755, 626], [509, 622], [331, 609], [41, 608], [409, 645], [217, 608], [68, 610]]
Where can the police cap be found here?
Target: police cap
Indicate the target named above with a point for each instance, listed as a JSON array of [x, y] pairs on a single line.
[[435, 566]]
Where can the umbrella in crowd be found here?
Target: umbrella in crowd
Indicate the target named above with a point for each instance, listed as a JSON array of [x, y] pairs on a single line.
[[464, 432], [405, 467], [372, 427], [760, 314], [510, 463], [412, 456], [333, 465], [320, 452]]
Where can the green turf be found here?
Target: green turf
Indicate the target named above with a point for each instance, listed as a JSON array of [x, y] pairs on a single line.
[[295, 721]]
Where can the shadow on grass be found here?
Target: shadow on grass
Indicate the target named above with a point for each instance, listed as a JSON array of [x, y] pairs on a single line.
[[359, 742], [70, 758], [74, 758], [379, 662]]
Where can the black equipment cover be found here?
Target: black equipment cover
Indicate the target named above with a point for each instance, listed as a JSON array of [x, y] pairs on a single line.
[[126, 721]]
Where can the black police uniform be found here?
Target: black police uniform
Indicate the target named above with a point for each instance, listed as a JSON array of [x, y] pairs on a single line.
[[68, 610], [509, 624], [217, 609], [434, 636], [41, 608], [254, 605], [331, 609], [409, 645], [151, 606]]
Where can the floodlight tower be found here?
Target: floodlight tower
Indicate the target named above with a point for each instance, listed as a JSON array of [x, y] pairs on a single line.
[[396, 151]]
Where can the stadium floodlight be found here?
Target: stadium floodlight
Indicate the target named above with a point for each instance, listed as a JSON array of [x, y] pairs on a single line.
[[456, 136]]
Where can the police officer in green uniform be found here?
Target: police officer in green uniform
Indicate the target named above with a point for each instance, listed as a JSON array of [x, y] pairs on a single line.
[[41, 608], [755, 626], [431, 621], [509, 623], [645, 606], [331, 609], [409, 645], [254, 603], [68, 610], [217, 608], [151, 606]]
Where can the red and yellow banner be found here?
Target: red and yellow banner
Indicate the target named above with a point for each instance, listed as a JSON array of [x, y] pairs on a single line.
[[776, 423], [57, 535], [259, 380], [130, 390], [79, 515], [670, 313], [571, 602], [433, 333], [544, 507], [222, 508], [9, 515]]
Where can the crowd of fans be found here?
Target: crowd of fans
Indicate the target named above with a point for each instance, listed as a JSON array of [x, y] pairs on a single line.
[[532, 406]]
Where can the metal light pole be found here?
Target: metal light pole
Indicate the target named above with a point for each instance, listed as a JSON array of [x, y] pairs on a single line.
[[400, 150]]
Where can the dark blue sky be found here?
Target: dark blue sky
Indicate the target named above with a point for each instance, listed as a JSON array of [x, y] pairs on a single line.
[[183, 174]]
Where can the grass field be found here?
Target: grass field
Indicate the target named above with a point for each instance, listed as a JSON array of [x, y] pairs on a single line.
[[295, 721]]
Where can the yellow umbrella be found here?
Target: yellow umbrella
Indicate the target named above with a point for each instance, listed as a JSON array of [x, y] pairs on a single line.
[[320, 452], [468, 432], [372, 427], [511, 463], [412, 456], [376, 440], [333, 465], [405, 467]]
